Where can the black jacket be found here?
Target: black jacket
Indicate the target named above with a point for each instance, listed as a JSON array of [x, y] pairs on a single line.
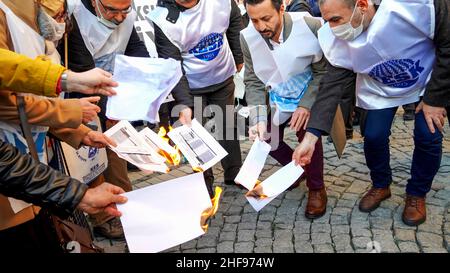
[[298, 5], [23, 178], [80, 59], [182, 93], [437, 91]]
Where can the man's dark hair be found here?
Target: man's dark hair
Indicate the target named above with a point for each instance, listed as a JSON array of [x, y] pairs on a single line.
[[275, 3]]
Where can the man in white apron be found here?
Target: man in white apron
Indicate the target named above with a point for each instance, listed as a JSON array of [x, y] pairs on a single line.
[[392, 48], [102, 29], [275, 62], [204, 35]]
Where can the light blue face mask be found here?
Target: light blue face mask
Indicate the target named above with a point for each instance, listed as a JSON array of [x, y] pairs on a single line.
[[112, 24]]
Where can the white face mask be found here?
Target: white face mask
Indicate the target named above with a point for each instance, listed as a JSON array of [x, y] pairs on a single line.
[[50, 29], [109, 24], [347, 31]]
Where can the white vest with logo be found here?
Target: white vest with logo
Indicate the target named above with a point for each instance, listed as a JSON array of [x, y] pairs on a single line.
[[28, 42], [200, 35], [393, 58], [291, 58], [102, 42]]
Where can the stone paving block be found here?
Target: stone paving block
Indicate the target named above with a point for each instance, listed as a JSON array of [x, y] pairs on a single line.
[[234, 210], [227, 236], [249, 217], [408, 247], [405, 235], [324, 248], [225, 247], [429, 240], [320, 228], [302, 237], [361, 242], [434, 250], [244, 247], [303, 247], [283, 245], [207, 250], [246, 236], [263, 234], [320, 238], [264, 242], [340, 230], [247, 226], [283, 234], [381, 223], [206, 241], [232, 219], [229, 227], [263, 249]]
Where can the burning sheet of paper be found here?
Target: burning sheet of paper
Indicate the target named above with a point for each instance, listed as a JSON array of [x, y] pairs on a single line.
[[159, 143], [144, 84], [197, 145], [162, 216], [253, 164], [276, 184], [132, 147]]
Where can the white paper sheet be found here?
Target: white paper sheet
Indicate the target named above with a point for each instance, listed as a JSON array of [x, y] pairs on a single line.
[[144, 84], [197, 145], [162, 216], [132, 147], [253, 164], [276, 184]]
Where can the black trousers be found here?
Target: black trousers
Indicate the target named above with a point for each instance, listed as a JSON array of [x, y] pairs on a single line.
[[220, 100]]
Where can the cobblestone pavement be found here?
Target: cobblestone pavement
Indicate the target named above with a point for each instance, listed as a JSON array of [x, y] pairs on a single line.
[[282, 227]]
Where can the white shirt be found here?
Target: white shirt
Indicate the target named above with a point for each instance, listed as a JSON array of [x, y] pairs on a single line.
[[275, 44]]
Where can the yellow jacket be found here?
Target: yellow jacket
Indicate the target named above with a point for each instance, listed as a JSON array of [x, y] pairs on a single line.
[[39, 76], [33, 76]]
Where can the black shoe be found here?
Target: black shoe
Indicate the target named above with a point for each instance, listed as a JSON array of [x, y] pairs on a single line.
[[408, 115]]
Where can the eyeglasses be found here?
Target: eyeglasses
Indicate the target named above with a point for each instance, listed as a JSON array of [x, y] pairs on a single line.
[[112, 11]]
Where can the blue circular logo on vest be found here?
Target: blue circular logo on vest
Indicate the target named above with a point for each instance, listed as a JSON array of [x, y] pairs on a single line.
[[92, 152], [208, 48], [400, 73]]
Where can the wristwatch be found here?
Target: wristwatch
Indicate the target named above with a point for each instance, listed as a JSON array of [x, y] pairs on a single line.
[[64, 81]]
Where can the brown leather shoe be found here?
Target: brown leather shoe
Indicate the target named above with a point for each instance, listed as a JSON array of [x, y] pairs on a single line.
[[317, 203], [372, 199], [112, 229], [415, 212]]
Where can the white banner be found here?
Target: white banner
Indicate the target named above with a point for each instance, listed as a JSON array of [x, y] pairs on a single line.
[[143, 27]]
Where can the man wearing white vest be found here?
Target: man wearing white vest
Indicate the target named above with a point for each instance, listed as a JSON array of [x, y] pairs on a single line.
[[204, 36], [397, 50], [101, 30], [276, 63]]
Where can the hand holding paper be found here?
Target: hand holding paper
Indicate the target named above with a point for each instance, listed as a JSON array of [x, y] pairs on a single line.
[[262, 193], [158, 217], [144, 84]]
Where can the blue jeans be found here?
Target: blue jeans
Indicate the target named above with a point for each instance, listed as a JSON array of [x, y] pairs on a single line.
[[426, 157]]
